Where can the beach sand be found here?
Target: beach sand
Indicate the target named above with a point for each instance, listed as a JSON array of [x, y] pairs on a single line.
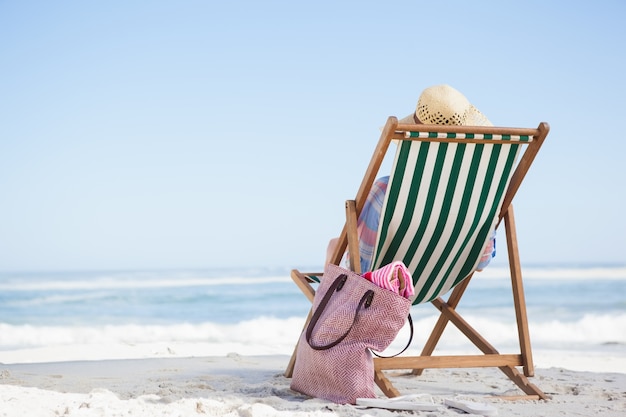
[[254, 386]]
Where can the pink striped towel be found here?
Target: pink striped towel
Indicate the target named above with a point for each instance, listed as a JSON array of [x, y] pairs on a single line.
[[394, 277]]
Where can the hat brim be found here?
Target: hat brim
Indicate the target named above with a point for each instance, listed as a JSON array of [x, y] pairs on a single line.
[[408, 120], [474, 118]]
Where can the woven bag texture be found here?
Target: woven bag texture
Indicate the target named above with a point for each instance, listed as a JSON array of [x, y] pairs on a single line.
[[345, 372]]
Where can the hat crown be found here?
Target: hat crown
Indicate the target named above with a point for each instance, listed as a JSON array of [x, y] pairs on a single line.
[[443, 105]]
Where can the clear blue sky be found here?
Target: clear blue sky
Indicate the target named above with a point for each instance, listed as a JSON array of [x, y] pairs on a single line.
[[167, 134]]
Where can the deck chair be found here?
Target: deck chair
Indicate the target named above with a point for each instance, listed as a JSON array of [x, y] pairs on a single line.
[[449, 188]]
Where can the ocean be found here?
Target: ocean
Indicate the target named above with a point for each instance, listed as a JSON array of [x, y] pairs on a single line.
[[262, 311]]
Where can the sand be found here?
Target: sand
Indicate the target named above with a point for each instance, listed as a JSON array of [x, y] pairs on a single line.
[[254, 386]]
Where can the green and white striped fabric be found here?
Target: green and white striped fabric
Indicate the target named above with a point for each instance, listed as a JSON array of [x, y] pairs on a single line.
[[441, 204]]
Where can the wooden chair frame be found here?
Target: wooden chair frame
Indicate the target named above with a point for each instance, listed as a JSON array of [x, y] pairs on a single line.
[[348, 238]]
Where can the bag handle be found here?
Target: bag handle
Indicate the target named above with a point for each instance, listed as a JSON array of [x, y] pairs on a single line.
[[410, 319], [336, 286], [365, 302]]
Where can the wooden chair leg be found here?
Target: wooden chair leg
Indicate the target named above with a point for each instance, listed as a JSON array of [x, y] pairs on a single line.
[[304, 284], [292, 360], [523, 383], [385, 385], [519, 299], [353, 236], [442, 322]]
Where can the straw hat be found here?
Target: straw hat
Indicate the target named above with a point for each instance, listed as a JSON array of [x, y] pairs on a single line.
[[443, 105]]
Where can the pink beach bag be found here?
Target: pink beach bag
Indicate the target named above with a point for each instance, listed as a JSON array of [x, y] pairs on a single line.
[[351, 315]]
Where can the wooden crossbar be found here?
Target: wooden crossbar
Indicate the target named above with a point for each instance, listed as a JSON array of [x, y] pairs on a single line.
[[449, 361], [464, 137]]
